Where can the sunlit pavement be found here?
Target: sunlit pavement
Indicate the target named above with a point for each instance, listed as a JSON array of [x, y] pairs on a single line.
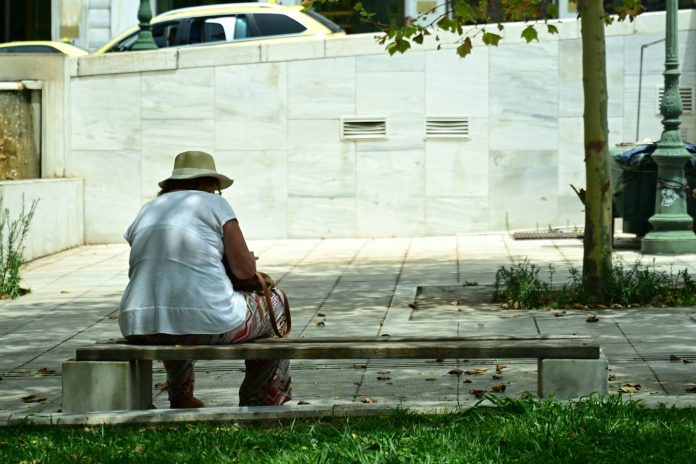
[[351, 287]]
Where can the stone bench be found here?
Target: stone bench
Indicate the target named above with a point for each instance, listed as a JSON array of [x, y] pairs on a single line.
[[115, 375]]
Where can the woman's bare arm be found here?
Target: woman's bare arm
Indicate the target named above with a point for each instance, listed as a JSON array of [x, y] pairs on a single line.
[[241, 261]]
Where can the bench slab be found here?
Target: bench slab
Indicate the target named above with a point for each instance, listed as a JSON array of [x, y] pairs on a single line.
[[539, 347]]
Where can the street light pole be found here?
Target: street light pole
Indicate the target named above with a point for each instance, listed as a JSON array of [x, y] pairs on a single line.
[[145, 40], [672, 226]]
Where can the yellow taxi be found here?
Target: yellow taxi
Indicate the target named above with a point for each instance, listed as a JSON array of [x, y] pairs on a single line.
[[41, 46], [237, 22]]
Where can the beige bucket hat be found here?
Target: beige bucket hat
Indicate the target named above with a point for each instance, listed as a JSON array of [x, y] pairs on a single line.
[[194, 164]]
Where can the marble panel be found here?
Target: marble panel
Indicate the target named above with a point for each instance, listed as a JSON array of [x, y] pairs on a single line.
[[523, 189], [180, 94], [58, 222], [456, 86], [132, 62], [251, 107], [105, 113], [571, 211], [455, 215], [112, 192], [538, 132], [319, 164], [259, 193], [457, 168], [405, 132], [413, 61], [300, 49], [353, 45], [654, 55], [390, 93], [390, 194], [650, 119], [541, 57], [321, 217], [321, 88], [163, 139], [570, 90], [650, 23], [571, 154], [219, 55]]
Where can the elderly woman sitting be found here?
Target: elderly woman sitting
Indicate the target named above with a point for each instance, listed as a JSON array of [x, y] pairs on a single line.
[[179, 292]]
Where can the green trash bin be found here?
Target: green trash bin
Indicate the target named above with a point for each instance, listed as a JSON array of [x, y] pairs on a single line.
[[634, 184]]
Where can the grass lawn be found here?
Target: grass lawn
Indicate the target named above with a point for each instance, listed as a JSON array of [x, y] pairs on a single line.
[[592, 430]]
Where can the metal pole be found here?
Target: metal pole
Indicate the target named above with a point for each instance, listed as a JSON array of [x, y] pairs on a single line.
[[671, 224], [145, 40], [640, 85]]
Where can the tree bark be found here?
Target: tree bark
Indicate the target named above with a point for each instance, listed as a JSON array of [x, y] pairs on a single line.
[[598, 199]]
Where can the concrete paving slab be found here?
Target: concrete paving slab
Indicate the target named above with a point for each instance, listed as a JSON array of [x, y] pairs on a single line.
[[364, 287]]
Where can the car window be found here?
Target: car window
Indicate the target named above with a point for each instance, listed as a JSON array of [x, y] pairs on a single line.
[[165, 34], [241, 28], [270, 24]]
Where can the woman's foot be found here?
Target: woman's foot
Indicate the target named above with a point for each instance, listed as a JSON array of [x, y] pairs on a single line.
[[187, 403]]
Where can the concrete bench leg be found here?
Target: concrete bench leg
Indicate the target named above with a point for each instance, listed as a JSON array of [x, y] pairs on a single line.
[[90, 386], [572, 378]]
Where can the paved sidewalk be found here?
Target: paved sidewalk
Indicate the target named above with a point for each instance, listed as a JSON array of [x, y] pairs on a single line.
[[351, 287]]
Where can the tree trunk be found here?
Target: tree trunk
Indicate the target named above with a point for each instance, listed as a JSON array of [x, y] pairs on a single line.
[[598, 200]]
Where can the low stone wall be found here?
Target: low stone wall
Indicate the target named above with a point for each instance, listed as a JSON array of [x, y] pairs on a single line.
[[58, 222]]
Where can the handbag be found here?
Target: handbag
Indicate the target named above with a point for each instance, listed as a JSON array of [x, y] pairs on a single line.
[[262, 284]]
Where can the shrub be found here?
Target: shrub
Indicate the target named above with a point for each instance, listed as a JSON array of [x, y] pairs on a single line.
[[12, 235]]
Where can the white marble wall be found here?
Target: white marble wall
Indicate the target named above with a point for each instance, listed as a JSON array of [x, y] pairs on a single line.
[[58, 220], [271, 115]]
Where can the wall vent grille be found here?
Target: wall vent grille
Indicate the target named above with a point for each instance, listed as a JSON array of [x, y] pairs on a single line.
[[359, 128], [446, 127], [687, 98]]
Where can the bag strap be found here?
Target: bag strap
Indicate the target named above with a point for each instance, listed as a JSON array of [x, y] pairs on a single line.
[[269, 308]]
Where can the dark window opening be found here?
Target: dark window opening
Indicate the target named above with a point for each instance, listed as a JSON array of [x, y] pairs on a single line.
[[270, 24]]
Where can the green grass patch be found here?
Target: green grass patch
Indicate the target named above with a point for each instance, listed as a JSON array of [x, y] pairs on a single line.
[[521, 287], [587, 431]]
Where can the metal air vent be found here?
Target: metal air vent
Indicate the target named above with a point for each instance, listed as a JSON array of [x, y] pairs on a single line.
[[446, 127], [687, 98], [359, 128]]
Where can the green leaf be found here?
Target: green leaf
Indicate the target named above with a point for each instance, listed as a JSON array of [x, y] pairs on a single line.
[[307, 4], [491, 39], [446, 23], [465, 48], [552, 29], [418, 39], [500, 26], [464, 12], [552, 10], [530, 33]]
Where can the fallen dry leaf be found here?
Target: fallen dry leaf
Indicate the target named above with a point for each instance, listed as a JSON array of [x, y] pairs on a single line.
[[499, 368], [359, 366], [46, 370], [383, 377], [164, 386], [456, 372], [630, 388], [454, 303], [525, 395], [321, 315], [383, 372], [674, 357], [496, 377], [477, 393], [412, 306], [685, 361], [320, 323], [559, 313], [612, 377], [477, 371], [498, 388], [592, 318], [691, 389], [112, 317], [430, 379], [466, 381], [64, 291], [303, 402], [33, 399], [367, 400]]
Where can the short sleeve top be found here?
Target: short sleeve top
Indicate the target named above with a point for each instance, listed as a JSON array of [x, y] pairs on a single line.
[[177, 280]]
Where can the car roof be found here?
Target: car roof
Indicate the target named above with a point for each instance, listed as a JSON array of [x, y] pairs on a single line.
[[65, 48], [223, 8]]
